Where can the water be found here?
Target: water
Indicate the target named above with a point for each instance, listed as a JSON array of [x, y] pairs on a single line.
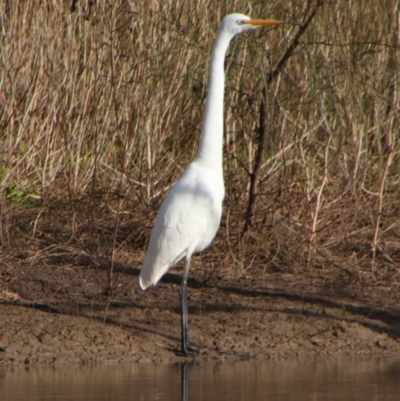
[[332, 379]]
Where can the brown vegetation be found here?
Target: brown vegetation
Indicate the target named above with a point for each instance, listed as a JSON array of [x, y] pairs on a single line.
[[100, 110]]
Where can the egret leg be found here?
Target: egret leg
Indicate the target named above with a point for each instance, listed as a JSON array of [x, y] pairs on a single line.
[[184, 313]]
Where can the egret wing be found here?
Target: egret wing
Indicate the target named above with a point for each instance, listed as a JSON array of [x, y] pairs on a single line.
[[187, 222]]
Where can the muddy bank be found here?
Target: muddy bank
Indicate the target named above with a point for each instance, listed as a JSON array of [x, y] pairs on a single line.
[[56, 313]]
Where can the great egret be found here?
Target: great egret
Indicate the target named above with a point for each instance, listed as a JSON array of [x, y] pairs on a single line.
[[190, 215]]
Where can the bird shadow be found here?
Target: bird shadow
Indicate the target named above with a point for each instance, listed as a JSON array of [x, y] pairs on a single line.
[[379, 320]]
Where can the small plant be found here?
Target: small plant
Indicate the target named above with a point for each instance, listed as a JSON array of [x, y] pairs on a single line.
[[16, 194]]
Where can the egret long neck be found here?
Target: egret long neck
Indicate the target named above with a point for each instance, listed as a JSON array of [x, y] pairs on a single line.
[[211, 137]]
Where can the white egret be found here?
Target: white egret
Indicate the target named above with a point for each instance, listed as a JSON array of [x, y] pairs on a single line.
[[190, 215]]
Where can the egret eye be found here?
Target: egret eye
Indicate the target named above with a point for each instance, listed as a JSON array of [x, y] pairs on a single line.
[[240, 22]]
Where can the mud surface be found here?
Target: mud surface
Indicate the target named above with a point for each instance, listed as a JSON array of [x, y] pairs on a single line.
[[54, 310]]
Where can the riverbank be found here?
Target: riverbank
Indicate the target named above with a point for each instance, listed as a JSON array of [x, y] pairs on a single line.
[[52, 312]]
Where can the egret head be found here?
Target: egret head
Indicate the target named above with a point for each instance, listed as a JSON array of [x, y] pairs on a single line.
[[238, 23]]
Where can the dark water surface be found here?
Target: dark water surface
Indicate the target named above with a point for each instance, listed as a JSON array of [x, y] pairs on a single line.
[[357, 378]]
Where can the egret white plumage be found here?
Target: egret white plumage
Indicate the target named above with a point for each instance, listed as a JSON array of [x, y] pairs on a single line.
[[190, 215]]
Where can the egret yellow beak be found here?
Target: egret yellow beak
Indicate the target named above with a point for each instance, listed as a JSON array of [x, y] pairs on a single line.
[[262, 22]]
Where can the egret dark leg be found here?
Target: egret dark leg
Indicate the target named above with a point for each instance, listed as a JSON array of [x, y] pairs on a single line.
[[184, 314]]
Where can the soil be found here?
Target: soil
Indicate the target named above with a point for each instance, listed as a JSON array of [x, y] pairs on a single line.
[[54, 309]]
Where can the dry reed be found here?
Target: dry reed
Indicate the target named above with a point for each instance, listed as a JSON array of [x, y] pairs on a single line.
[[101, 105]]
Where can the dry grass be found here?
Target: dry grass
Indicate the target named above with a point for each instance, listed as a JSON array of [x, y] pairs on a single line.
[[101, 109]]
